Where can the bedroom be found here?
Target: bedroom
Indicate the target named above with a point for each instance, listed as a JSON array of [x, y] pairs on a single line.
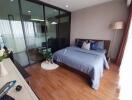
[[66, 49]]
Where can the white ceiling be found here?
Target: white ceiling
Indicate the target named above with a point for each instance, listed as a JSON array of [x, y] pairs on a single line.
[[74, 4]]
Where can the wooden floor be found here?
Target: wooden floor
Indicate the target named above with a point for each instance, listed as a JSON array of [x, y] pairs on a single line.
[[62, 84]]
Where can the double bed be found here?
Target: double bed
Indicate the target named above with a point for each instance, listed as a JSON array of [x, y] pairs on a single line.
[[90, 62]]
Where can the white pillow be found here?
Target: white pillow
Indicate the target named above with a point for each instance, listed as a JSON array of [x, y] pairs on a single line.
[[86, 46]]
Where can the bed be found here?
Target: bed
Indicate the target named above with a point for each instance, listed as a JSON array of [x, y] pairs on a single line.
[[90, 62]]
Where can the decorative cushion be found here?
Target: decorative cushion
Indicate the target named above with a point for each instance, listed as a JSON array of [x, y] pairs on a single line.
[[93, 45], [79, 44], [97, 45], [100, 45], [86, 45]]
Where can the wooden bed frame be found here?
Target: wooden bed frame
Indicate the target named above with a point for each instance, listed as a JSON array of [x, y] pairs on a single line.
[[106, 43]]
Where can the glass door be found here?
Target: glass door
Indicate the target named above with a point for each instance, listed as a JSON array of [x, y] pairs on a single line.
[[27, 27], [11, 33], [64, 29], [52, 20], [34, 26]]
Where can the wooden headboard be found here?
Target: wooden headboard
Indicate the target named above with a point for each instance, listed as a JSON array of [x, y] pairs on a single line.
[[106, 43]]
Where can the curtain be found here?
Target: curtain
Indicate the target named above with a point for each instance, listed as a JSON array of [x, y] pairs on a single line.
[[124, 40]]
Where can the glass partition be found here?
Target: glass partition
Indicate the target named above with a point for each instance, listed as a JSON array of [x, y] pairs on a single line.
[[64, 29], [10, 24], [11, 30], [52, 20], [27, 27], [34, 27]]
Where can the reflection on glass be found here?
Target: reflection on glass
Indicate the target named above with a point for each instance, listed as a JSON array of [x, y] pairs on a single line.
[[11, 30], [10, 24], [34, 27], [52, 20], [64, 29], [27, 41]]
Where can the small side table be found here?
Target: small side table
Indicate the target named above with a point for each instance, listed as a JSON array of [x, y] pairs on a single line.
[[49, 66]]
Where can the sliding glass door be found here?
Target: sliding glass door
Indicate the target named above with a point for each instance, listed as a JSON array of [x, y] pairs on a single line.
[[64, 29], [28, 27], [52, 22], [58, 28], [44, 25], [11, 33], [34, 26]]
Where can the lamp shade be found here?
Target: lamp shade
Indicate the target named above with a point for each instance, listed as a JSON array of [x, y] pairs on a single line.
[[117, 25]]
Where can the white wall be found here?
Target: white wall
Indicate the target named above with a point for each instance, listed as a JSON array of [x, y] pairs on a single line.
[[93, 22]]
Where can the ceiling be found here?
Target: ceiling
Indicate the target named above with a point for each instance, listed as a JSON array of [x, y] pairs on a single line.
[[74, 4]]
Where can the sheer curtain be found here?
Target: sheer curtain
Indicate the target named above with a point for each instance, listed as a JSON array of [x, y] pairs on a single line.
[[125, 82]]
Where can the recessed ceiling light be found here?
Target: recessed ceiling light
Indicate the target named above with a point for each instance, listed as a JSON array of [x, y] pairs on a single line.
[[11, 0], [67, 6]]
